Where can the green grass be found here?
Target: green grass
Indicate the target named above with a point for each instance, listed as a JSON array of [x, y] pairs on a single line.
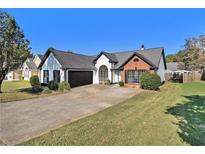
[[149, 118], [18, 90]]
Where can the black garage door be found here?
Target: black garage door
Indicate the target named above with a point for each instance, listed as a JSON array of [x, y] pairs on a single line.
[[80, 78]]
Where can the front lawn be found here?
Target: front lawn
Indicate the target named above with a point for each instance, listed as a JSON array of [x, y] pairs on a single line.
[[18, 90], [173, 116]]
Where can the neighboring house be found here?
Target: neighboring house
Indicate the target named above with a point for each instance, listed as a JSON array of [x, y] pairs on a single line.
[[14, 75], [9, 76], [80, 69], [175, 67], [30, 67]]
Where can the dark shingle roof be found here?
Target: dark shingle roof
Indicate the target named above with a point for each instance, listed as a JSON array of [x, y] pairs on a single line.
[[112, 57], [77, 61], [151, 55], [30, 59], [71, 60], [40, 56], [31, 65], [174, 66]]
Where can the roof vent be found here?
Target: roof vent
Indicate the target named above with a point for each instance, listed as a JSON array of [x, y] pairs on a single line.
[[142, 47]]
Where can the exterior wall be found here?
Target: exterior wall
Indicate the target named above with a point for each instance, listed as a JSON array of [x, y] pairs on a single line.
[[17, 74], [102, 60], [37, 60], [9, 76], [161, 70], [52, 64], [25, 69], [134, 65], [116, 76]]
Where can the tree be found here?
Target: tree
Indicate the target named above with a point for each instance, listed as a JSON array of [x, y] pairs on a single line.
[[14, 48], [171, 58], [193, 54]]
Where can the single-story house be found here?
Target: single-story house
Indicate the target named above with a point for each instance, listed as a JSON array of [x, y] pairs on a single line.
[[78, 69], [13, 75], [30, 67]]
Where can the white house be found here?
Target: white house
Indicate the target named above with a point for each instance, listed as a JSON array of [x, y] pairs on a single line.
[[30, 67], [78, 69]]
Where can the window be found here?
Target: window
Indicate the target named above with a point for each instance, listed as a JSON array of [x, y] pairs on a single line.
[[136, 59], [56, 75], [103, 73], [133, 76], [45, 76]]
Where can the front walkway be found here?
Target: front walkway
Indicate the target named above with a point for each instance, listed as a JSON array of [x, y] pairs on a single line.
[[23, 120]]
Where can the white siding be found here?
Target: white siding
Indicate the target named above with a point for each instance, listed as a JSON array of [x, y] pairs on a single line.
[[52, 64], [116, 76], [26, 73], [102, 60], [161, 70], [9, 76]]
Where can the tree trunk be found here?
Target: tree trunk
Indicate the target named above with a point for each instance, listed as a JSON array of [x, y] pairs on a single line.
[[0, 85], [1, 81]]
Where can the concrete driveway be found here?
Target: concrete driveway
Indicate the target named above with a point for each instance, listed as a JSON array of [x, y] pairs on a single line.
[[23, 120]]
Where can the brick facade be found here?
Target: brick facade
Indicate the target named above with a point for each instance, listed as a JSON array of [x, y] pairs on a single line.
[[135, 63]]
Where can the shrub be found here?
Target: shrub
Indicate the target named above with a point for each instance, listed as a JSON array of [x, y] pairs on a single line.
[[34, 80], [37, 89], [150, 81], [107, 82], [177, 77], [121, 83], [64, 86], [36, 85], [53, 85], [46, 90]]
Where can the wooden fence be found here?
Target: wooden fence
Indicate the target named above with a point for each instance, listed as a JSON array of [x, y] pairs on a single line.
[[185, 77], [192, 76]]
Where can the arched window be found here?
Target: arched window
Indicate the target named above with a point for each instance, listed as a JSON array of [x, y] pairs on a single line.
[[103, 73]]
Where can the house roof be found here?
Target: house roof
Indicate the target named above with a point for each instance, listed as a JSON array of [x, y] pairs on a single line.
[[40, 56], [30, 59], [112, 57], [70, 60], [31, 65], [174, 66], [151, 56]]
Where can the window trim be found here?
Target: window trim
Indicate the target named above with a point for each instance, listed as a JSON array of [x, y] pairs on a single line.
[[103, 73], [132, 76], [45, 76], [54, 75]]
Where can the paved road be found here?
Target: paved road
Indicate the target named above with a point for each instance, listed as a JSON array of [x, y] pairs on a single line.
[[23, 120]]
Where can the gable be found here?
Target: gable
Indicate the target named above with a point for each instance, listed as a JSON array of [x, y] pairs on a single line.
[[136, 63], [141, 61], [102, 60], [37, 60], [70, 60], [51, 63], [110, 56]]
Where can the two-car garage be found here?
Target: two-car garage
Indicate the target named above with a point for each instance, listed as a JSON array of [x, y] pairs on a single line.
[[80, 78]]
